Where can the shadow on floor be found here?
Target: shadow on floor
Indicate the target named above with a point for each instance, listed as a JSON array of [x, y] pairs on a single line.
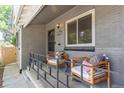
[[73, 84], [1, 75]]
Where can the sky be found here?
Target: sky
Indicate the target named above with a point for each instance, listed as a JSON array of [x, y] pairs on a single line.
[[1, 38]]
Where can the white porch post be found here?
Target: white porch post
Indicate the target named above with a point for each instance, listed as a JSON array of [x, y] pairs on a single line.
[[20, 48]]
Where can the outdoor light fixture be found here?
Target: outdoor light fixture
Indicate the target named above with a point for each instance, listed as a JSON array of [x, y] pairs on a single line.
[[59, 31], [58, 26]]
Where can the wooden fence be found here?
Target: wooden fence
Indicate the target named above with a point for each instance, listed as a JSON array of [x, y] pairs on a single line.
[[8, 54]]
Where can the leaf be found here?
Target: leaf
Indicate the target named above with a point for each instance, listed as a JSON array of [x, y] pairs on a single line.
[[5, 17]]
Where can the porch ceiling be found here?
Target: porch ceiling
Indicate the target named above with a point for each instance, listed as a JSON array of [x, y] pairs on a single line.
[[49, 13]]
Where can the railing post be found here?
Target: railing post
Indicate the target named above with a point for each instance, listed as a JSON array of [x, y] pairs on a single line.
[[67, 71], [36, 59], [29, 61], [37, 56], [41, 66], [40, 60], [67, 80], [81, 71], [33, 60], [45, 75], [50, 70], [57, 72]]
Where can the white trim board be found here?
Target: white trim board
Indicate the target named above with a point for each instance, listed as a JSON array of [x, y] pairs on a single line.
[[35, 14], [93, 29]]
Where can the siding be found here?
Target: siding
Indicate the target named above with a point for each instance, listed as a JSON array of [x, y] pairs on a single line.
[[108, 35]]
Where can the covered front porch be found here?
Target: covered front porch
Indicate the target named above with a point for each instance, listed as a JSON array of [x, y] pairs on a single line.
[[48, 76], [47, 33]]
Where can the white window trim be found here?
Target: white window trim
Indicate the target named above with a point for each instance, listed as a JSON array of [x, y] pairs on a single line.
[[93, 29]]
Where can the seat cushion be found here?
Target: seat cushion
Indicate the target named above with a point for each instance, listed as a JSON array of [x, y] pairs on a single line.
[[55, 61], [86, 73], [77, 70]]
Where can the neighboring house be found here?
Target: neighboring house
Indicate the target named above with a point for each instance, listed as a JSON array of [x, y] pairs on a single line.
[[39, 27]]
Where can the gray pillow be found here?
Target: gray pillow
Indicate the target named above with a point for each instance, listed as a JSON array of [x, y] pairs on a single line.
[[93, 60], [99, 57]]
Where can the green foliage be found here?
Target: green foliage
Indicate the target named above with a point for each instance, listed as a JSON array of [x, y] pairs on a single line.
[[13, 42], [9, 37], [3, 26], [5, 17], [5, 23]]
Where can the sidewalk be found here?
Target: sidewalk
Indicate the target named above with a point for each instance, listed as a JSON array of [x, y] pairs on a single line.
[[12, 78]]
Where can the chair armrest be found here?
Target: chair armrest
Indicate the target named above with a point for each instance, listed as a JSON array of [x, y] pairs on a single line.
[[78, 60], [50, 56], [74, 61], [100, 63]]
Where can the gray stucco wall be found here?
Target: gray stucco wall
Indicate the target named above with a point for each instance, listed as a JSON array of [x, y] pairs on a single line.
[[33, 38], [109, 31]]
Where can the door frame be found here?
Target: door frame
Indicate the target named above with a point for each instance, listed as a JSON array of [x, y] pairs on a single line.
[[48, 41]]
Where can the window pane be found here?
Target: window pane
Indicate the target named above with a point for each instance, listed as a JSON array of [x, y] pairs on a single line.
[[71, 28], [85, 29]]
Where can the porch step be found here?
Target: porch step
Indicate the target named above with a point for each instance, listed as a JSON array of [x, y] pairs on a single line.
[[28, 80], [41, 83], [32, 75]]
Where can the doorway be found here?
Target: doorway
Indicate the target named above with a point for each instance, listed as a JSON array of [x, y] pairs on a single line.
[[51, 41]]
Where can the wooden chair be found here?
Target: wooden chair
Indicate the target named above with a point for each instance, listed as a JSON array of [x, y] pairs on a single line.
[[51, 60], [95, 75]]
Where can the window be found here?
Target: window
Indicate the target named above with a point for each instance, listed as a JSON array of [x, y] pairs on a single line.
[[80, 31], [72, 32]]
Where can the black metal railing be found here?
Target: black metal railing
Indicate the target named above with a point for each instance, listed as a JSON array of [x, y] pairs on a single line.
[[40, 61]]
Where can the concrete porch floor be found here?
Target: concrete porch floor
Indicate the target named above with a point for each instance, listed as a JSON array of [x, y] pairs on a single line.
[[41, 83], [28, 79], [13, 79]]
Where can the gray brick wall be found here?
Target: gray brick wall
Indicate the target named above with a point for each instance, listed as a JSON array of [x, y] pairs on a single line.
[[109, 35]]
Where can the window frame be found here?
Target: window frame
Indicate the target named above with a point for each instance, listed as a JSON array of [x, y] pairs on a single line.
[[76, 19]]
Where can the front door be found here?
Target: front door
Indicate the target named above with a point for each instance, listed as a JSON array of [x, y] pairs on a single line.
[[51, 41]]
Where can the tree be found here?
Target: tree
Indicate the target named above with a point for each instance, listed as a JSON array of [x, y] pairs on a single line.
[[6, 24], [5, 17], [13, 40]]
